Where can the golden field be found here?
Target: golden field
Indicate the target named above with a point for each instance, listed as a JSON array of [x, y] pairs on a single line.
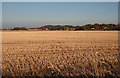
[[60, 53]]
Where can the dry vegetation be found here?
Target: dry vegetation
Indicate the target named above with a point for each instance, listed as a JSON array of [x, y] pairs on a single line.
[[60, 53]]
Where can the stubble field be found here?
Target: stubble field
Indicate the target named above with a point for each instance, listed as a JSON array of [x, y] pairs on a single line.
[[60, 53]]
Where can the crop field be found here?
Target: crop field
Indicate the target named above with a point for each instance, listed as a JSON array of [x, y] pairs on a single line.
[[60, 53]]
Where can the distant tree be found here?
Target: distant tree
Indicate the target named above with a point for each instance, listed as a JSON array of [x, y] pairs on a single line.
[[95, 26], [16, 28], [79, 28], [19, 28], [23, 28]]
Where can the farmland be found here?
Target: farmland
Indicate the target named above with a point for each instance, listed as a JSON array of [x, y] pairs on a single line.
[[60, 53]]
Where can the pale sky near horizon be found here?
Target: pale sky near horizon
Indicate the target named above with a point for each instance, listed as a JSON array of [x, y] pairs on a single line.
[[36, 14], [60, 0]]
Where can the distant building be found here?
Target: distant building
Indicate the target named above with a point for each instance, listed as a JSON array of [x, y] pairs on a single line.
[[72, 29], [34, 29], [105, 28], [47, 29], [92, 28], [69, 29]]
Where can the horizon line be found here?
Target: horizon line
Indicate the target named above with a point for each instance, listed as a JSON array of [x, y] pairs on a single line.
[[55, 25]]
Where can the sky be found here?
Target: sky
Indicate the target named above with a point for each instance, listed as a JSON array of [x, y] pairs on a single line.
[[36, 14], [0, 15], [60, 0]]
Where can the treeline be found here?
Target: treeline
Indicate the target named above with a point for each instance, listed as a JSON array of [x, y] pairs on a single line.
[[73, 28], [19, 28]]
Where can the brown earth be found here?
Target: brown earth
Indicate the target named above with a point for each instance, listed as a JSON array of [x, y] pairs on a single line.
[[60, 53]]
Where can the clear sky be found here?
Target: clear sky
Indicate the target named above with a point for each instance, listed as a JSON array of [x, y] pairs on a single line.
[[0, 15], [36, 14], [60, 0]]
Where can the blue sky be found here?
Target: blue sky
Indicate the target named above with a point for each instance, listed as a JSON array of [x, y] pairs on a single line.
[[0, 15], [36, 14]]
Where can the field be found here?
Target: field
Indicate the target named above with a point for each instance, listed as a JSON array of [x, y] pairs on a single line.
[[60, 53]]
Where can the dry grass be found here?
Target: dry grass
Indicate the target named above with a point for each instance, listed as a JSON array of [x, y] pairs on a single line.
[[60, 53]]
